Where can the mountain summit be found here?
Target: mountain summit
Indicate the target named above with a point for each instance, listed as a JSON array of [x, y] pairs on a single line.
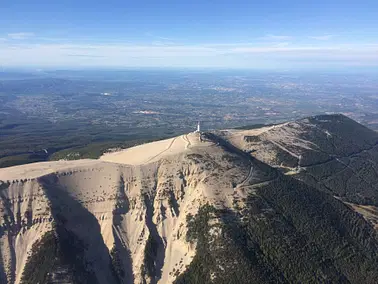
[[288, 203]]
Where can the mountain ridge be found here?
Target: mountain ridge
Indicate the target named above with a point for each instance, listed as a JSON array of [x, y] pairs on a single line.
[[168, 216]]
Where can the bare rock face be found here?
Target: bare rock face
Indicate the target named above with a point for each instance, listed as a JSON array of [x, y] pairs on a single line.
[[237, 207], [117, 223]]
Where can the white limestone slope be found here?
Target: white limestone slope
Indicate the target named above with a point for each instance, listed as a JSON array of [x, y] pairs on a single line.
[[151, 152], [117, 201]]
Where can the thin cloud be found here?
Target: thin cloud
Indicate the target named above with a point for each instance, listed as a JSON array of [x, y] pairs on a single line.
[[20, 35], [166, 38], [162, 38], [276, 37], [86, 55], [272, 49], [282, 44], [53, 39], [162, 43], [323, 37], [246, 44], [183, 55]]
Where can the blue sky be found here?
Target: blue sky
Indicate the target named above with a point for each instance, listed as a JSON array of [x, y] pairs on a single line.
[[173, 33]]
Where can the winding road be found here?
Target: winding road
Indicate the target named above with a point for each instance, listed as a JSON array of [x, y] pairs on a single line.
[[248, 177], [186, 139], [157, 155]]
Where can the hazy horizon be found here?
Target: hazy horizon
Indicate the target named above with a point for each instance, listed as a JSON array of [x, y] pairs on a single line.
[[191, 34]]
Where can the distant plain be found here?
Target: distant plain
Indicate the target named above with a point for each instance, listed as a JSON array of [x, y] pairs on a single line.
[[66, 114]]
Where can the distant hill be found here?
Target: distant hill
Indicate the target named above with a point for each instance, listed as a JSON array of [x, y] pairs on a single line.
[[288, 203], [330, 152]]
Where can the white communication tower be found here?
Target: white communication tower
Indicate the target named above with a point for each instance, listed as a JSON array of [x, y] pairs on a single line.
[[198, 127]]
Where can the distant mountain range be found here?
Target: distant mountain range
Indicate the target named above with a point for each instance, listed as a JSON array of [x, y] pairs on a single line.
[[290, 203]]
